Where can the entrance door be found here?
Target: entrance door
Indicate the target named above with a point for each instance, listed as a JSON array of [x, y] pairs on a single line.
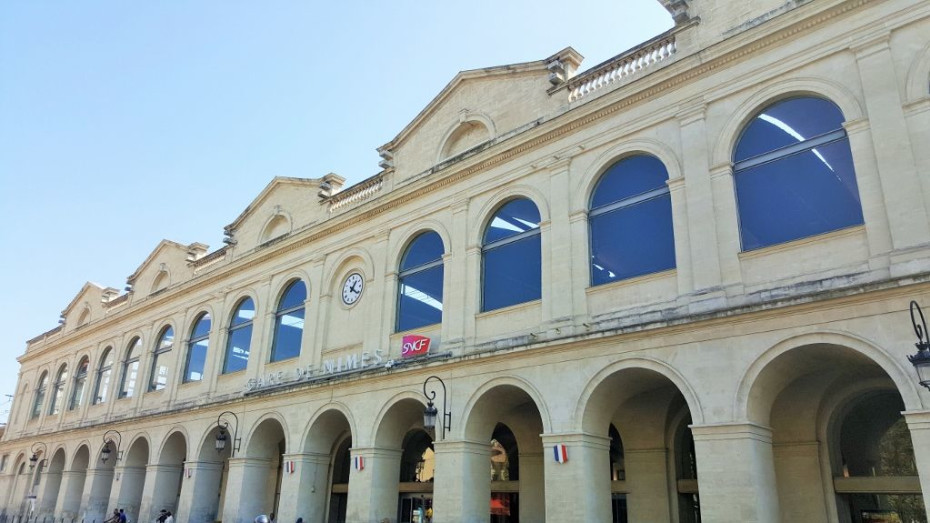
[[410, 505]]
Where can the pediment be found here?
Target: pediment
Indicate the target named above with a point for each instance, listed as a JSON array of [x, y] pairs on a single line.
[[477, 106], [284, 206], [168, 264], [88, 305]]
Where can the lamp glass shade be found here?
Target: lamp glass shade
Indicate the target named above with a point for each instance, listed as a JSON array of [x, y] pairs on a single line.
[[923, 371], [220, 441], [105, 453], [429, 417], [33, 460]]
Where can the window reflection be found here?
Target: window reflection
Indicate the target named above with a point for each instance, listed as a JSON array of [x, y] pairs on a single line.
[[159, 378], [197, 348], [511, 256], [289, 322], [59, 390], [80, 381], [420, 283], [103, 376], [131, 368], [240, 337], [40, 395]]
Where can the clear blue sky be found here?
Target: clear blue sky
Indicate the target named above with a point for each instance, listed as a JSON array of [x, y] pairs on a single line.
[[123, 123]]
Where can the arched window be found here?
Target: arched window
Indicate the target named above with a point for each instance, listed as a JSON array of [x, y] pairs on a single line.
[[61, 380], [197, 348], [631, 221], [794, 174], [40, 396], [159, 376], [240, 337], [80, 381], [419, 292], [289, 322], [103, 376], [131, 368], [511, 256]]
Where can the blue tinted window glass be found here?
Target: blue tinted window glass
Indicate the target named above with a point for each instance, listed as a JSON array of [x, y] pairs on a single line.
[[196, 359], [294, 296], [166, 339], [512, 273], [202, 328], [244, 312], [237, 350], [632, 241], [787, 123], [420, 299], [515, 217], [796, 196], [135, 349], [629, 177], [426, 248], [289, 328]]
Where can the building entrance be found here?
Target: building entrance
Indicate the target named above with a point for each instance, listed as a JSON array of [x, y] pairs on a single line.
[[413, 508]]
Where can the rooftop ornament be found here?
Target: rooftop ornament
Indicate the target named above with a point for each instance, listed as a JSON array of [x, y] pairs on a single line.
[[107, 441], [921, 360]]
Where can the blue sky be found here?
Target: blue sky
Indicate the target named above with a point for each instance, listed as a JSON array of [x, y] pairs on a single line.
[[123, 123]]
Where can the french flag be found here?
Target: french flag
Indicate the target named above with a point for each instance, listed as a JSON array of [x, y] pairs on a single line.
[[290, 467], [359, 462], [561, 453]]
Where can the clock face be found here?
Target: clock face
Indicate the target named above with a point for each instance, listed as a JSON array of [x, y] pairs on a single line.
[[352, 288]]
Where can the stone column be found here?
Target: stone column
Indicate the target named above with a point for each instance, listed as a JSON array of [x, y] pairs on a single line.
[[462, 490], [126, 494], [245, 490], [907, 215], [579, 489], [49, 489], [303, 492], [676, 189], [648, 484], [373, 493], [800, 495], [96, 495], [736, 473], [200, 493], [918, 423], [69, 499], [160, 491]]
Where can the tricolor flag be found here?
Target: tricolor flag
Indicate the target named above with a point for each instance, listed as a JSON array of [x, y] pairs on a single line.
[[359, 462], [561, 453], [290, 467]]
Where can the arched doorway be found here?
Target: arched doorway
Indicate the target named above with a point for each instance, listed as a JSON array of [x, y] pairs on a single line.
[[48, 498], [324, 480], [130, 479], [508, 421], [417, 471], [841, 450], [649, 465], [168, 478], [207, 482], [262, 471], [69, 502], [99, 483]]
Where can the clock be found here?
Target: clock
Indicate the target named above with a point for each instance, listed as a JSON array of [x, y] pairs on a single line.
[[352, 288]]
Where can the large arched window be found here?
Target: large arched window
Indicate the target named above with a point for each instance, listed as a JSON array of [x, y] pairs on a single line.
[[40, 395], [631, 221], [80, 382], [58, 393], [289, 322], [127, 386], [103, 376], [511, 256], [419, 291], [794, 174], [159, 376], [197, 348], [240, 337]]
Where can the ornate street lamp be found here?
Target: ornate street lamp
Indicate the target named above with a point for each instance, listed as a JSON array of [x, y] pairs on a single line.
[[35, 453], [224, 428], [430, 413], [921, 360], [107, 441]]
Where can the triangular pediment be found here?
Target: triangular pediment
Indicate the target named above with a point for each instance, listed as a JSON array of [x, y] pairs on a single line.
[[284, 205], [167, 264], [479, 105], [88, 304]]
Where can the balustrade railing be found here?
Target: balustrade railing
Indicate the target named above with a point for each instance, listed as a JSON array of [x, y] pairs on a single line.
[[356, 193], [621, 67]]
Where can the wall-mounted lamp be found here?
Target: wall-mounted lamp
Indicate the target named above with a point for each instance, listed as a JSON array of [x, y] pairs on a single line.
[[921, 360], [107, 441], [430, 413], [37, 448], [224, 428]]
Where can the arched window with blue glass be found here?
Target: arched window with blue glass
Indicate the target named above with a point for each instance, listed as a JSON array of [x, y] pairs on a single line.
[[419, 290], [239, 342], [630, 220], [197, 348], [289, 322], [793, 172], [511, 254]]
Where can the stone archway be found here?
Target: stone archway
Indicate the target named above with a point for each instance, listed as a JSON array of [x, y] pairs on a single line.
[[165, 479], [129, 479], [51, 484], [318, 489], [203, 493], [72, 484], [254, 484]]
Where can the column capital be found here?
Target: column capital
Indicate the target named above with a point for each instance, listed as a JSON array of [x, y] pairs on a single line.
[[917, 419], [316, 458], [375, 452], [585, 439], [732, 431], [463, 446]]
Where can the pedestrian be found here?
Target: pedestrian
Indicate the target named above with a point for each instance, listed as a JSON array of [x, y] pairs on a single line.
[[262, 519], [161, 516], [122, 516], [114, 518], [271, 517], [169, 518]]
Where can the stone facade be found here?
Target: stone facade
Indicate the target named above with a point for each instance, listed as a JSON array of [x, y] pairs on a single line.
[[729, 386]]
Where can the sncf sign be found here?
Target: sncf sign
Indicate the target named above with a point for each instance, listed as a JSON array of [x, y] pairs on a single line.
[[414, 345]]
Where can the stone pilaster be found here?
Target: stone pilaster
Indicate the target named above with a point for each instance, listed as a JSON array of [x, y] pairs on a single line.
[[462, 490], [373, 493]]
